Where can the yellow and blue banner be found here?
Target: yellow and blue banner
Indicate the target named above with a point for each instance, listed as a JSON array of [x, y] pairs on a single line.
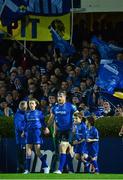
[[36, 28], [13, 10]]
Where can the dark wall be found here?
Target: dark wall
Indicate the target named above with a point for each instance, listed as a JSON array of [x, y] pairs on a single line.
[[7, 155], [110, 155]]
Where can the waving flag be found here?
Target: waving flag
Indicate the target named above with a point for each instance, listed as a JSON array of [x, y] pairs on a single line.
[[64, 47], [110, 77], [106, 50], [11, 11]]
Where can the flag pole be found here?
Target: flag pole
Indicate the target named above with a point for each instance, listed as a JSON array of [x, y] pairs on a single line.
[[109, 102], [24, 50], [71, 29], [21, 44], [71, 37], [24, 45]]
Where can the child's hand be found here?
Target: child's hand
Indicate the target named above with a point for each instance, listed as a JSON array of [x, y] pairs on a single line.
[[46, 131]]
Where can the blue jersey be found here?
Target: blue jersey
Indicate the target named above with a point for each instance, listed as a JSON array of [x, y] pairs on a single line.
[[19, 122], [93, 133], [34, 119], [64, 115], [80, 131], [93, 147]]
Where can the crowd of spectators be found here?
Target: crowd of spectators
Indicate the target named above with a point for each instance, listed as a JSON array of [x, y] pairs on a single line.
[[45, 71]]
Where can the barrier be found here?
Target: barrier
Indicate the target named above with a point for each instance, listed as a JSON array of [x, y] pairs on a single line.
[[110, 156]]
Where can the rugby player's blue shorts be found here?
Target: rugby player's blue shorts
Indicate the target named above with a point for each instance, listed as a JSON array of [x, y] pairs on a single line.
[[20, 140], [93, 149], [34, 136], [80, 148]]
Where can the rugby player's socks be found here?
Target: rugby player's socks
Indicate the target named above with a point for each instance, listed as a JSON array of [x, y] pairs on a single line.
[[43, 159], [70, 162], [86, 167], [78, 166], [94, 162], [28, 161], [24, 157], [62, 161]]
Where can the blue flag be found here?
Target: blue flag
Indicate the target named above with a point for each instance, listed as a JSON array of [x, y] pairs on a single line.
[[12, 10], [64, 47], [113, 99], [106, 50], [110, 77]]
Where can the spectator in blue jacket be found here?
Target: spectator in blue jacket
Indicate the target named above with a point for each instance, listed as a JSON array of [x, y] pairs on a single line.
[[20, 141]]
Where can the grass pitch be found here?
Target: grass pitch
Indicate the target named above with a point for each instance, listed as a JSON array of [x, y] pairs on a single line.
[[61, 176]]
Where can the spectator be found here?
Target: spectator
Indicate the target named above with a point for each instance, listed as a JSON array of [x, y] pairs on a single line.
[[52, 99], [45, 89], [44, 105], [49, 67], [5, 110], [33, 90], [27, 73], [9, 99], [84, 65], [107, 109], [84, 109], [2, 92], [16, 99], [92, 71], [118, 111], [100, 107], [64, 86], [58, 73], [76, 100]]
